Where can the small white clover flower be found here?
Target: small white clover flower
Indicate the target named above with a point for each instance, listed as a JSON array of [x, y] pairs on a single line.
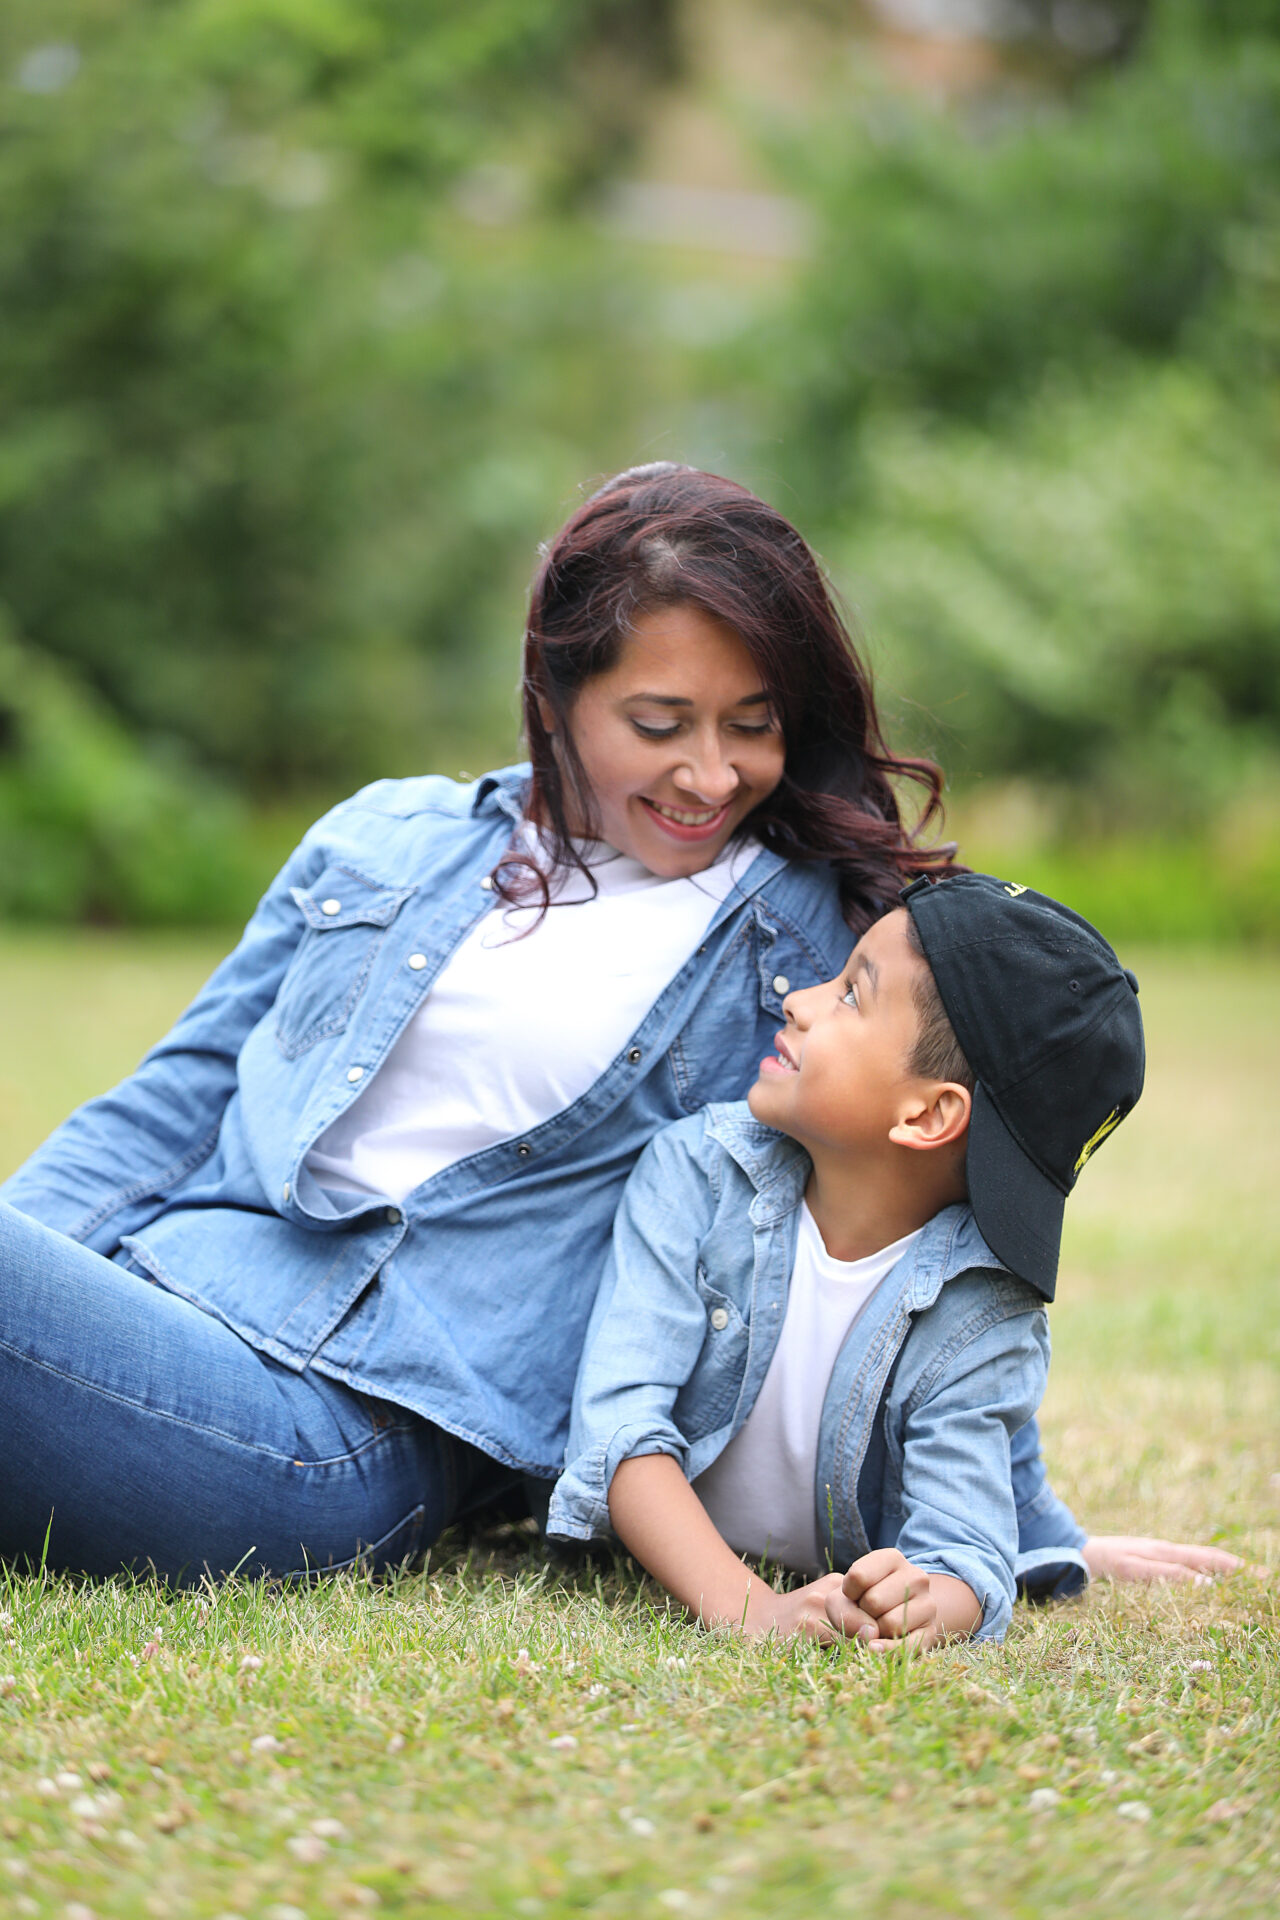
[[266, 1743], [1044, 1799], [1134, 1810], [563, 1743], [250, 1663]]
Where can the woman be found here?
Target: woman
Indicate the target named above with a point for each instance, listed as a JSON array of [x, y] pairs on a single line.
[[313, 1282]]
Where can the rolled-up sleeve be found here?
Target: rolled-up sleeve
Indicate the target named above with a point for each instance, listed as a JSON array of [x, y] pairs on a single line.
[[645, 1336]]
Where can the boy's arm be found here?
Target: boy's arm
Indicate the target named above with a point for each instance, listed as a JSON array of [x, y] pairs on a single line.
[[959, 1516], [661, 1521], [645, 1335]]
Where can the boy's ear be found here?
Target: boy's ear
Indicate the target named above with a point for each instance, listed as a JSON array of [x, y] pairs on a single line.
[[938, 1116]]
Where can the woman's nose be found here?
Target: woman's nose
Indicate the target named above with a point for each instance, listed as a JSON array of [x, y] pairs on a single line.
[[708, 772]]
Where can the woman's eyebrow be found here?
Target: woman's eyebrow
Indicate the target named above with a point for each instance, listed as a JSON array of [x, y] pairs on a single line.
[[872, 972], [679, 700]]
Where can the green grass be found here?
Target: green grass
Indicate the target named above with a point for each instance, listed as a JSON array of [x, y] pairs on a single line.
[[495, 1737]]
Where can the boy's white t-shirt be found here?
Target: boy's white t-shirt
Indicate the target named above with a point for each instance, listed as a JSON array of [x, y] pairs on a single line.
[[515, 1030], [760, 1492]]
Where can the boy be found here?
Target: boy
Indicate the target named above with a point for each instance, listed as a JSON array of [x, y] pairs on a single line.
[[822, 1323]]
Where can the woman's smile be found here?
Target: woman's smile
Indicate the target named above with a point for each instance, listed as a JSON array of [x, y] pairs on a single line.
[[677, 742], [686, 823]]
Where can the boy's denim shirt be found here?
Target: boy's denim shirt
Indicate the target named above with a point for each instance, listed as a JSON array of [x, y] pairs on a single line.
[[468, 1304], [941, 1372]]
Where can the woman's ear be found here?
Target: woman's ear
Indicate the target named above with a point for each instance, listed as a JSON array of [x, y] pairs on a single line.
[[934, 1117], [546, 713]]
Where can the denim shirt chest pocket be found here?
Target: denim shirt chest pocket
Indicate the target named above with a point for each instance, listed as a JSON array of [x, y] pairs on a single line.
[[761, 964], [713, 1387], [347, 914]]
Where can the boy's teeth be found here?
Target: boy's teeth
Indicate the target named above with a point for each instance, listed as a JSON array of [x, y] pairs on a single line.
[[683, 817]]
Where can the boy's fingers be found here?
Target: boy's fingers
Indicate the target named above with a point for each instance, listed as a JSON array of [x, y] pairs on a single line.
[[848, 1619], [902, 1584], [870, 1571], [900, 1614], [918, 1642]]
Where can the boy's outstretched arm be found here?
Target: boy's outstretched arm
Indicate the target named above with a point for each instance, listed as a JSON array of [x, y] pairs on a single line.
[[661, 1521]]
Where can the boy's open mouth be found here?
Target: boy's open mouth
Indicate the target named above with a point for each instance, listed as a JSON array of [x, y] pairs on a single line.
[[781, 1061]]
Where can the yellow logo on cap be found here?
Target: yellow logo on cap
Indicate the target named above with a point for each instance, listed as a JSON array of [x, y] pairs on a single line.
[[1109, 1125], [1013, 890]]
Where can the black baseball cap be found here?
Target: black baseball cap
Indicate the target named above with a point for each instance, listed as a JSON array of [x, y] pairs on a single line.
[[1048, 1020]]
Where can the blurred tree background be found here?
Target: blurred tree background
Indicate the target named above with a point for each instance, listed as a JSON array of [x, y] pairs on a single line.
[[318, 314]]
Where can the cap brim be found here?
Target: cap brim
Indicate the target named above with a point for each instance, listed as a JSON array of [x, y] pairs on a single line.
[[1018, 1211]]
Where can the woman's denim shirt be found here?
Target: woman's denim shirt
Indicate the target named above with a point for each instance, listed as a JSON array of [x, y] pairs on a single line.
[[468, 1303], [943, 1368]]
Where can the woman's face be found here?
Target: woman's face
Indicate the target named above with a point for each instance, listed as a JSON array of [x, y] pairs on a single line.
[[677, 741]]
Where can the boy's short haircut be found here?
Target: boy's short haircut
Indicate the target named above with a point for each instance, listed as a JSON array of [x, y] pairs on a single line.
[[936, 1054]]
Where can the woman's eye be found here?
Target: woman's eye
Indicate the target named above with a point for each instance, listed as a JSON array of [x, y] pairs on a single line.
[[654, 733], [757, 733]]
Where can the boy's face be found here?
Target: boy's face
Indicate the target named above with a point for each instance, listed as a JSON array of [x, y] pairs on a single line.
[[841, 1069]]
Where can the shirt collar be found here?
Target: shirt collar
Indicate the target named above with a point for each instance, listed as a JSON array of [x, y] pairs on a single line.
[[779, 1170]]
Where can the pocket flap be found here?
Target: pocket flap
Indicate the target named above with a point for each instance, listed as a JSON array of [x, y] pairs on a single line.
[[341, 897]]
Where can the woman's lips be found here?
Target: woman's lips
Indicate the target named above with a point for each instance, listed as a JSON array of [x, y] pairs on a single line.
[[689, 824]]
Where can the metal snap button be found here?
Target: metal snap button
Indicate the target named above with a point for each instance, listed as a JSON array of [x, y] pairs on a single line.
[[331, 906], [417, 961], [286, 1192], [634, 1055], [720, 1319], [394, 1216], [524, 1150], [354, 1074], [781, 984], [487, 883]]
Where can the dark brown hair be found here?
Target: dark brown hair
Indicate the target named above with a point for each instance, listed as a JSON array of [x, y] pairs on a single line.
[[666, 535]]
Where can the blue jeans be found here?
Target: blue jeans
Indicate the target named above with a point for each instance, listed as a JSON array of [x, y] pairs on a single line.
[[137, 1431]]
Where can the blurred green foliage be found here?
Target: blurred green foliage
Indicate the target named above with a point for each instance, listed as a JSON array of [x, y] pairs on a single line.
[[280, 429], [312, 330], [1029, 393]]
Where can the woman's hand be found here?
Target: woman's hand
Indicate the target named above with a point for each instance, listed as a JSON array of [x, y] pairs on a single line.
[[1123, 1556]]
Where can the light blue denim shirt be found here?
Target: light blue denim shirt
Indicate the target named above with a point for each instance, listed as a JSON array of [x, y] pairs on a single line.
[[939, 1374], [468, 1303]]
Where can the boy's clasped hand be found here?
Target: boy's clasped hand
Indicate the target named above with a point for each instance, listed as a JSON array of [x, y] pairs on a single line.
[[883, 1602]]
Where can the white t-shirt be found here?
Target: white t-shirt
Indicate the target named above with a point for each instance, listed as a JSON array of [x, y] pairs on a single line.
[[760, 1491], [514, 1030]]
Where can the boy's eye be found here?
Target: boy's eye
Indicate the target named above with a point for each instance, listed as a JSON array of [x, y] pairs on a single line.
[[850, 995]]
